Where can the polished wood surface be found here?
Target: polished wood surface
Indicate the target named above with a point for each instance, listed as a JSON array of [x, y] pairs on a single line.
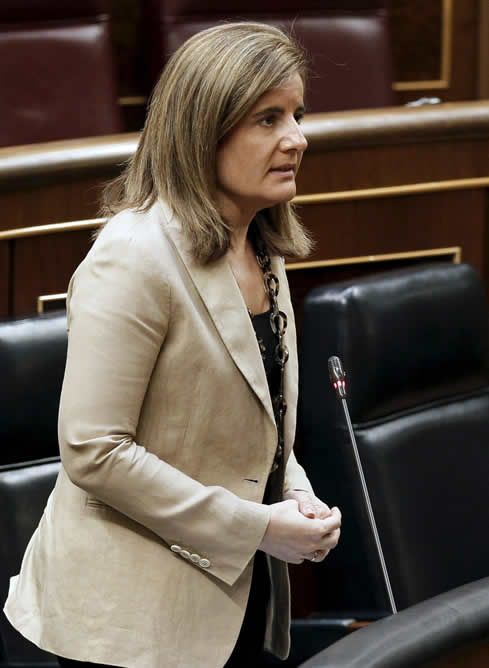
[[396, 125], [34, 163], [58, 181], [371, 183]]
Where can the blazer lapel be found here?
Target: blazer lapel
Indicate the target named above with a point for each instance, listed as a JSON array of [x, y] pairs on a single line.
[[291, 380], [225, 304]]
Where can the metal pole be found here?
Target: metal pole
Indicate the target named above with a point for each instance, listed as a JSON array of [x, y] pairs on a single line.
[[371, 517]]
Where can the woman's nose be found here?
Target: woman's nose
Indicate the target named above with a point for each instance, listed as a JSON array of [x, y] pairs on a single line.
[[294, 138]]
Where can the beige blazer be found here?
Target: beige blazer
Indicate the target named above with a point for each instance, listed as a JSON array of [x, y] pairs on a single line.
[[144, 554]]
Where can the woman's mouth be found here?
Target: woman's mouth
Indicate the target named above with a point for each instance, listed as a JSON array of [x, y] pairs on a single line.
[[286, 170]]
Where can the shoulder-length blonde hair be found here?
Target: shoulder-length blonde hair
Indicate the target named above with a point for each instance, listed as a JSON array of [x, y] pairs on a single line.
[[206, 88]]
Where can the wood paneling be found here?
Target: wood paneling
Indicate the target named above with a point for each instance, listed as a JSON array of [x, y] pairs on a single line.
[[348, 152], [44, 265], [420, 51], [391, 166], [465, 51], [58, 181], [416, 44], [392, 225], [4, 279], [76, 199], [483, 68]]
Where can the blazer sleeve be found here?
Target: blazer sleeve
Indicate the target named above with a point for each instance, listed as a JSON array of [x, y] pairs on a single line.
[[118, 313], [295, 476]]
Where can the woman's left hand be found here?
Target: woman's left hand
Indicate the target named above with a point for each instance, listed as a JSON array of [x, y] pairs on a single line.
[[309, 504], [312, 507]]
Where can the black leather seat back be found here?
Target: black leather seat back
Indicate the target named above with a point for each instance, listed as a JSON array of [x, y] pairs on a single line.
[[415, 346], [24, 490], [32, 362], [451, 629]]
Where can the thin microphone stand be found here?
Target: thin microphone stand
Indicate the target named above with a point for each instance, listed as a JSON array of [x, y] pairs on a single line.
[[337, 376]]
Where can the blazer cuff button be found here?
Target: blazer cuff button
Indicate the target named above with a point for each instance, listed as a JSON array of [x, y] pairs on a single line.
[[204, 563]]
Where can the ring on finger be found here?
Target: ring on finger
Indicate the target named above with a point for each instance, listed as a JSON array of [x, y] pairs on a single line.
[[316, 555]]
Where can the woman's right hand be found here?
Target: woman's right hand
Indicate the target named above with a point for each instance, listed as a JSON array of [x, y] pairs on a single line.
[[293, 538]]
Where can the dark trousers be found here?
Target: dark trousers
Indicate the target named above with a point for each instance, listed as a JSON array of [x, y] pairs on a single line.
[[248, 650]]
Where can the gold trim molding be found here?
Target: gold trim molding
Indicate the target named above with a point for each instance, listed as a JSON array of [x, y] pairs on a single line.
[[53, 228], [444, 81], [133, 100], [454, 251], [314, 198], [393, 191], [45, 299]]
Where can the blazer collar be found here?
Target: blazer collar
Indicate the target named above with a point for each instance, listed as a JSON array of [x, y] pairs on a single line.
[[222, 297]]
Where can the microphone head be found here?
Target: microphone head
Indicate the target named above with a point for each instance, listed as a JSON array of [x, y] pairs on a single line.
[[337, 376]]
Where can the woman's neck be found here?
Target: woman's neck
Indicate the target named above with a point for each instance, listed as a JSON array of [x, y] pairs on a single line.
[[238, 216], [239, 246], [249, 276]]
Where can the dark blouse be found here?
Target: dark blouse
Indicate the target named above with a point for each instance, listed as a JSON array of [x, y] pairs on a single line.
[[267, 342]]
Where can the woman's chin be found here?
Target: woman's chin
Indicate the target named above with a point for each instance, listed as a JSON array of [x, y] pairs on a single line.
[[284, 195]]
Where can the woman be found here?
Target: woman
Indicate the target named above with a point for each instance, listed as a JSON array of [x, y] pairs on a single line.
[[179, 489]]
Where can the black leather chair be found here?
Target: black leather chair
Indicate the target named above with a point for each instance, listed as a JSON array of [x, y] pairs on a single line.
[[442, 631], [24, 490], [32, 362], [415, 346]]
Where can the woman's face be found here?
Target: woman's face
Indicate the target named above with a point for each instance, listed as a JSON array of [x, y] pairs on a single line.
[[258, 160]]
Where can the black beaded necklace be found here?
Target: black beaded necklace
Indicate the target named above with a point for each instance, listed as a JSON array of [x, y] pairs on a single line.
[[278, 324]]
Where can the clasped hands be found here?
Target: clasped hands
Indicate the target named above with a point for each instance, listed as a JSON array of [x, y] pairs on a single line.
[[301, 527]]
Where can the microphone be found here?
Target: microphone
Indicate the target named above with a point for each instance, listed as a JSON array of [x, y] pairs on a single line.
[[337, 377]]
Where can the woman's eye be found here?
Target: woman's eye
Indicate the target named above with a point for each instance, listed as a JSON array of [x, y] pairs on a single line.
[[267, 121], [299, 118]]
